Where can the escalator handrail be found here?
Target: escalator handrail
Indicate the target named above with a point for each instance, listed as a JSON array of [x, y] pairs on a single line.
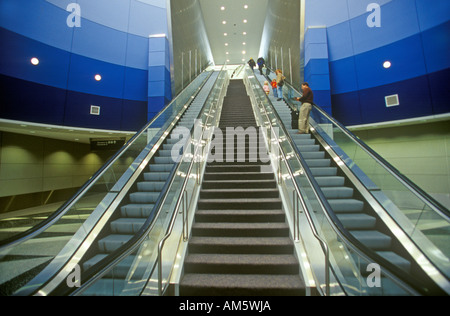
[[418, 192], [353, 243], [58, 214], [105, 265]]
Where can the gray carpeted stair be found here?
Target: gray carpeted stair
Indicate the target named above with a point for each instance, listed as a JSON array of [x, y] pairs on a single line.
[[240, 241]]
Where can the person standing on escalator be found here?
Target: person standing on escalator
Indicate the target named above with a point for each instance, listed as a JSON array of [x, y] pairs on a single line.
[[307, 101]]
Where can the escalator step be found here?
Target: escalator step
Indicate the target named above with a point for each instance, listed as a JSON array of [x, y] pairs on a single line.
[[373, 239], [127, 225], [357, 221]]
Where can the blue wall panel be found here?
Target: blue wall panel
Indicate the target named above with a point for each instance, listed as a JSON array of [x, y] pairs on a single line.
[[112, 41], [28, 101], [38, 20], [436, 47], [15, 60], [78, 107], [405, 55], [99, 42], [440, 91], [83, 71], [414, 37]]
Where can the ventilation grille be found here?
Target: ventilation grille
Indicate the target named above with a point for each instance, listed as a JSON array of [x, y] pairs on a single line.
[[95, 110], [392, 100]]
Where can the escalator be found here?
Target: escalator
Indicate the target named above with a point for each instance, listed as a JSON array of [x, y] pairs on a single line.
[[120, 202], [366, 205]]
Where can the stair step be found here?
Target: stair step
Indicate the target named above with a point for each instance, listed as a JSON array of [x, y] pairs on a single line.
[[238, 176], [397, 260], [150, 186], [241, 264], [241, 229], [137, 210], [231, 204], [241, 285], [357, 221], [127, 225], [346, 205], [373, 239], [239, 216], [337, 192], [113, 242], [144, 197], [238, 193], [239, 245], [239, 184], [332, 181]]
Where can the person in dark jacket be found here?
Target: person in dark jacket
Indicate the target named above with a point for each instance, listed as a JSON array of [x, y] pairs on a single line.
[[252, 63], [261, 62], [307, 101]]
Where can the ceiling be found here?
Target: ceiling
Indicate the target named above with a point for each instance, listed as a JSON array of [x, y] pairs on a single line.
[[240, 36]]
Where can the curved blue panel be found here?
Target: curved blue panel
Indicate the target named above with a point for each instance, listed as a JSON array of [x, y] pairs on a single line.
[[15, 60], [82, 77], [432, 13], [147, 20], [38, 20], [436, 46], [137, 52], [340, 41], [78, 107], [338, 83], [28, 101], [135, 86], [407, 61], [113, 15], [398, 21], [99, 42]]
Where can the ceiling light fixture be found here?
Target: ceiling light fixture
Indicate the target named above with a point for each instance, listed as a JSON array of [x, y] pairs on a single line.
[[245, 21], [224, 22], [34, 61], [98, 77], [387, 64]]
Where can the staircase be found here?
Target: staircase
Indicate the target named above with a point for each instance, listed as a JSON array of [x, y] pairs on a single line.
[[240, 241]]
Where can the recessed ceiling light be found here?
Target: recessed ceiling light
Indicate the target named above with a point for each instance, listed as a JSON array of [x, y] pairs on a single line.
[[34, 61], [222, 8], [246, 6], [244, 52], [245, 21], [244, 43], [244, 33], [228, 53], [387, 64], [98, 77], [225, 34], [226, 44], [224, 22]]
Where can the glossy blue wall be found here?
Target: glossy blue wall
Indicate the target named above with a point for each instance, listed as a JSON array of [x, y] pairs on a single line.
[[414, 36], [112, 40]]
